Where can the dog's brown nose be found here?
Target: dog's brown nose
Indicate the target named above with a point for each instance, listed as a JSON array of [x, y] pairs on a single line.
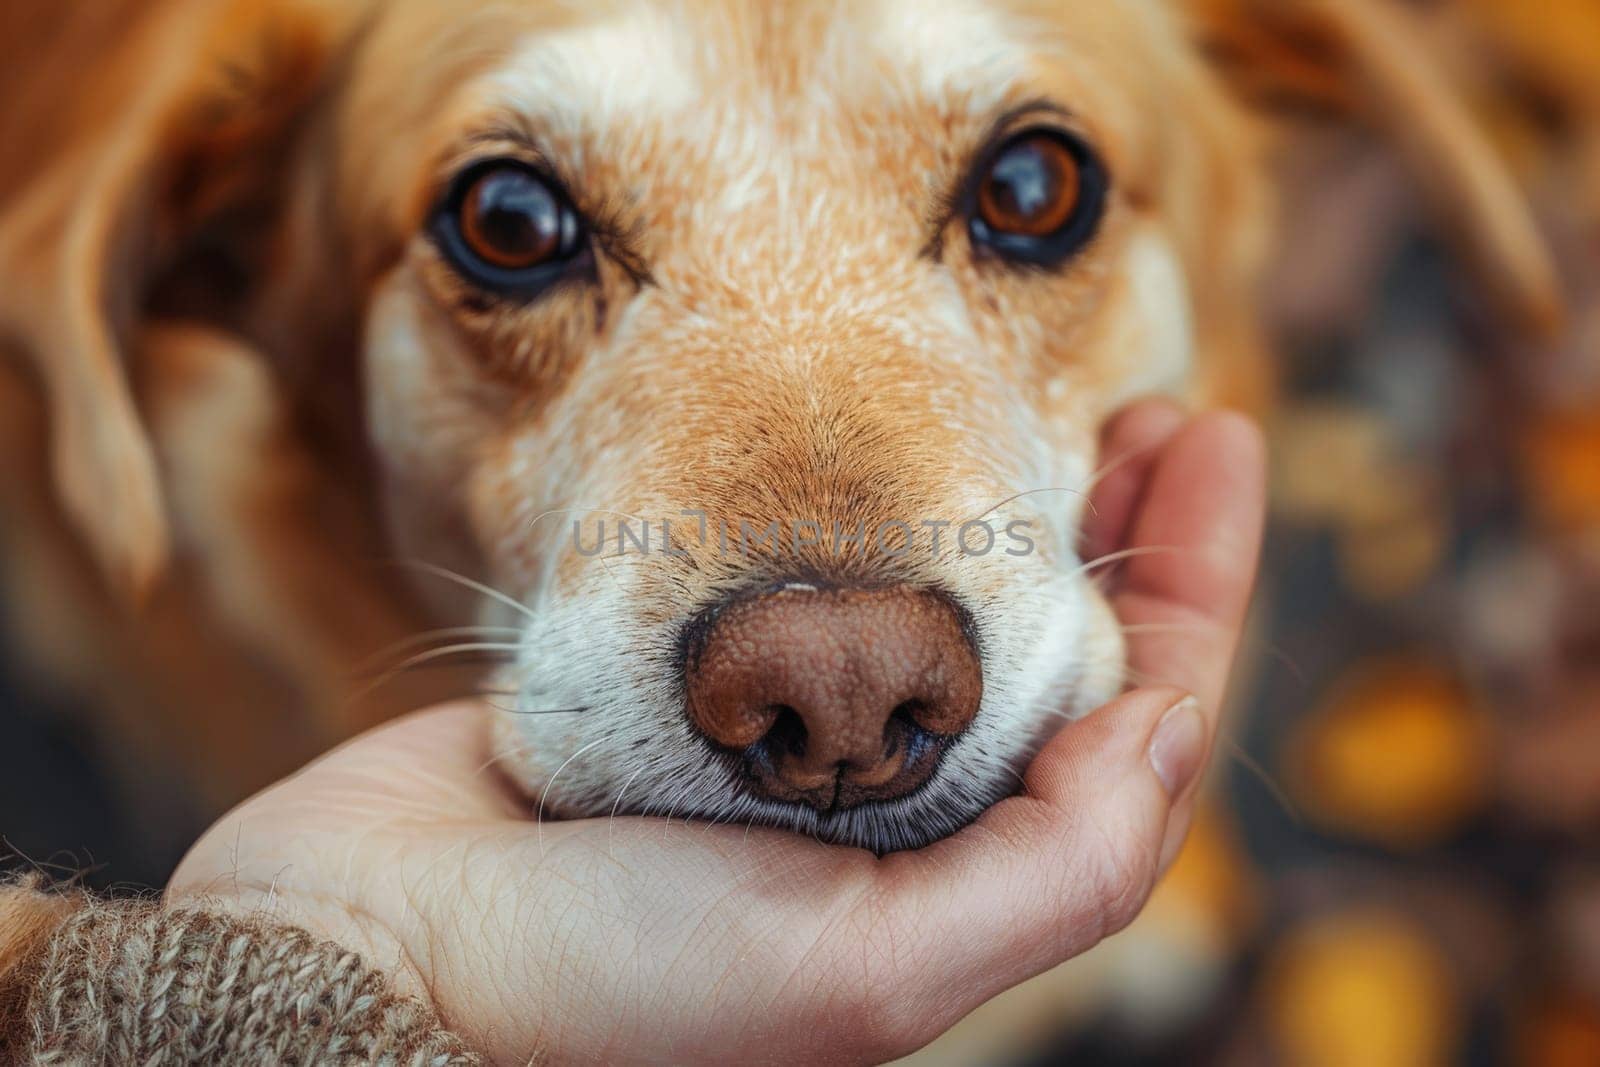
[[836, 697]]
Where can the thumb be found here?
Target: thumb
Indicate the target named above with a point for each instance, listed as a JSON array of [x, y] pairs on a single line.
[[1042, 877]]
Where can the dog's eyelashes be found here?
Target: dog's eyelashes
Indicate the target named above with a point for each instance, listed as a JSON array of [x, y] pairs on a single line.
[[508, 229], [1037, 197]]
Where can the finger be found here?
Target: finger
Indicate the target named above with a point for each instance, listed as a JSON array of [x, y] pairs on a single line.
[[1182, 609], [1184, 601], [1129, 445], [1040, 877]]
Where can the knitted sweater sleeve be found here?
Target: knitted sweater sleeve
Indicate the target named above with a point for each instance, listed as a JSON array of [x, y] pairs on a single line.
[[92, 982]]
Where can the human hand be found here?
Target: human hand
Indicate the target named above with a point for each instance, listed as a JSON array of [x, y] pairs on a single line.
[[638, 940]]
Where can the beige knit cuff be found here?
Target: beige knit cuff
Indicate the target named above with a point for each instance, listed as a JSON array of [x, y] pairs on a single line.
[[134, 982]]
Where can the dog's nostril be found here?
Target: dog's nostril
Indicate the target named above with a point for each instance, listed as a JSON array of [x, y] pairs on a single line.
[[907, 711], [788, 734], [836, 697]]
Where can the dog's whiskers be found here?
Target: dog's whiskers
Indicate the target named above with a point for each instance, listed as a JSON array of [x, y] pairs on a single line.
[[1215, 627], [1111, 466], [515, 710], [469, 583], [1031, 492], [373, 661], [487, 652], [1117, 557], [672, 809], [545, 794], [1279, 795], [611, 819], [1100, 474], [428, 656], [1141, 678], [1195, 626], [510, 753], [580, 509]]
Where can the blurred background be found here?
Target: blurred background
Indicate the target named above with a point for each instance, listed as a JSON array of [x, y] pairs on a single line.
[[1401, 860], [1401, 863]]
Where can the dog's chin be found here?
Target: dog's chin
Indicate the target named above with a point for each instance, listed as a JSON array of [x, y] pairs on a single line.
[[934, 811], [908, 822], [963, 786], [938, 808], [956, 794]]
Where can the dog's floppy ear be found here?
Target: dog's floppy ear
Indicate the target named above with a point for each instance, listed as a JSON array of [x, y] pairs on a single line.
[[157, 134], [1370, 61]]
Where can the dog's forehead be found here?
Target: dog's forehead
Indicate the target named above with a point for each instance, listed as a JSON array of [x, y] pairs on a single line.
[[646, 64], [975, 51]]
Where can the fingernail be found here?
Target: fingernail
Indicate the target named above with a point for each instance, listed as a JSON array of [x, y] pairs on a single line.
[[1178, 746]]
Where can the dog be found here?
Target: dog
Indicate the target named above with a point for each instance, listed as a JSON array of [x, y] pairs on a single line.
[[827, 299]]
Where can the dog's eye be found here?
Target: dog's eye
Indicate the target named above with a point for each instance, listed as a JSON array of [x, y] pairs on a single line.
[[508, 229], [1038, 198]]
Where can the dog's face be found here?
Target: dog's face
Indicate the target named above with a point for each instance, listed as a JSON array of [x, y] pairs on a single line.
[[823, 302], [871, 272]]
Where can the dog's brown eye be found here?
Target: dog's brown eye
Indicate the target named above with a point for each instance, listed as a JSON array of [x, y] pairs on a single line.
[[1031, 188], [511, 219], [1037, 198], [508, 229]]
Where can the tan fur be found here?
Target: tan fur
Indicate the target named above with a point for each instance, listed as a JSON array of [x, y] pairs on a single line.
[[216, 272]]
